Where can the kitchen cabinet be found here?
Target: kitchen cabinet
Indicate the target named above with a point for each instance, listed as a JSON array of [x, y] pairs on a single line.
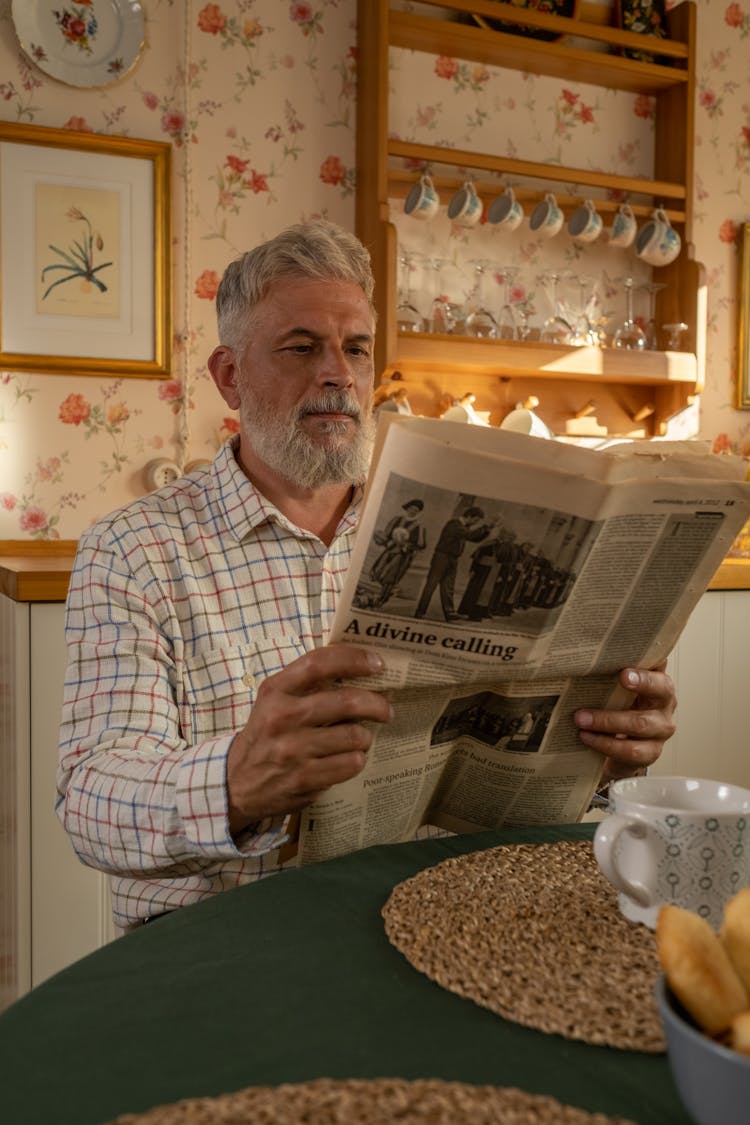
[[709, 667], [54, 910], [651, 387]]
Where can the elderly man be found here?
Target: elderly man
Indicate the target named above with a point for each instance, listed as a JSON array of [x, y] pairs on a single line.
[[198, 711]]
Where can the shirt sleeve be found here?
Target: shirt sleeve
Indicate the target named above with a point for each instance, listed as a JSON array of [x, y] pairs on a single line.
[[133, 796]]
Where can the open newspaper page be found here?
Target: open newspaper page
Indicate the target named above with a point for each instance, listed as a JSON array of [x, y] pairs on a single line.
[[506, 580]]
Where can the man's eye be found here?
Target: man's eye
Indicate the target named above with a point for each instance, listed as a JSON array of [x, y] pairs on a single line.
[[300, 349], [359, 350]]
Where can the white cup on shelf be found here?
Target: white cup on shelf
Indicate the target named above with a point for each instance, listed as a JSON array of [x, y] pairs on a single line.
[[423, 201], [546, 219], [624, 227], [657, 242], [465, 208], [585, 224], [505, 211]]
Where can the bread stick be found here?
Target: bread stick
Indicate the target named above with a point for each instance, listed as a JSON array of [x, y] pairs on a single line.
[[698, 969], [735, 934], [739, 1033]]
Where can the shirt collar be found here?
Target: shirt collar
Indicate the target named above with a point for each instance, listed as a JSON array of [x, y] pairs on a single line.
[[245, 508]]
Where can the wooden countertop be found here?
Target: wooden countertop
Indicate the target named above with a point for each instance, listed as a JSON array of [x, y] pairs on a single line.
[[32, 571], [40, 572]]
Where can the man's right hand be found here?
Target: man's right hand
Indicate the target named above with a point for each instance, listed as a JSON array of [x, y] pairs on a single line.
[[305, 733]]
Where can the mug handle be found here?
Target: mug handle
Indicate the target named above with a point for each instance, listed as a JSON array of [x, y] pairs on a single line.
[[607, 834]]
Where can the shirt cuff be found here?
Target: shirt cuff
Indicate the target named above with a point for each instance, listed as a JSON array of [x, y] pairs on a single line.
[[202, 807]]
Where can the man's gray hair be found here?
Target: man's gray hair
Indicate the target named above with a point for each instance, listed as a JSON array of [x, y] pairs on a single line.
[[318, 249]]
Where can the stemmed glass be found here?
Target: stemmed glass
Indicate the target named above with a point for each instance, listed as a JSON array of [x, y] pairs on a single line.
[[555, 329], [408, 316], [446, 314], [480, 321], [583, 333], [674, 335], [512, 321], [652, 288], [629, 334]]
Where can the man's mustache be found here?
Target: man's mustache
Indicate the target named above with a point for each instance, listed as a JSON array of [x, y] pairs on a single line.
[[332, 402]]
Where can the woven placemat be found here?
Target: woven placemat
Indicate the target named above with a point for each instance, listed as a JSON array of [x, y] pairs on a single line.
[[379, 1101], [534, 933]]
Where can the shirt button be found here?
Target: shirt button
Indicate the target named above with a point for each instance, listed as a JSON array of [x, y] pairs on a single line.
[[248, 679]]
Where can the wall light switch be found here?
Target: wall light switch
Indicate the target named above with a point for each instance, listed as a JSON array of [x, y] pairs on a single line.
[[160, 472]]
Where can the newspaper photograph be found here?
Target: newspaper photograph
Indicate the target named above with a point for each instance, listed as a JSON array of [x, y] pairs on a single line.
[[506, 580]]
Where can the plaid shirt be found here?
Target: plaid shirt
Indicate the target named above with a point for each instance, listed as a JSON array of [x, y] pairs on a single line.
[[179, 605]]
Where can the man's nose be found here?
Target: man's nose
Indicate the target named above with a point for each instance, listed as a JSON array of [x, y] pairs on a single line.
[[335, 367]]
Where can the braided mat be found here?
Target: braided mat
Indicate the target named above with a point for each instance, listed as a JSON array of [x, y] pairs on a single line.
[[380, 1101], [534, 933]]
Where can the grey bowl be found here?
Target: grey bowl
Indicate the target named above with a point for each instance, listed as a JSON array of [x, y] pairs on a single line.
[[713, 1081]]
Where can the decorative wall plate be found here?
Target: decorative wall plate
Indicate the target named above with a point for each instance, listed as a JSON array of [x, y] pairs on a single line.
[[646, 17], [81, 42], [551, 7]]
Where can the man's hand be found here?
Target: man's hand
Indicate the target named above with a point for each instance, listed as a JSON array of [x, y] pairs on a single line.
[[632, 739], [304, 734]]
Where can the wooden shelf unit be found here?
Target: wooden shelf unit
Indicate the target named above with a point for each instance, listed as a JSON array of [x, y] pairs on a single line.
[[627, 383]]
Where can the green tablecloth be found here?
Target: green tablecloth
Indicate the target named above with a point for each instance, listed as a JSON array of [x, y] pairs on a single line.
[[289, 979]]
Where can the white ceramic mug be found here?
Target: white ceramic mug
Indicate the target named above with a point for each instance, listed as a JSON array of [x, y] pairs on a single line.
[[523, 421], [679, 840], [423, 201], [585, 224], [505, 211], [465, 208], [546, 219], [657, 242], [624, 227]]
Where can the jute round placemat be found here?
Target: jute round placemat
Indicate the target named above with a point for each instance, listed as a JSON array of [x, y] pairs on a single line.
[[534, 933], [379, 1101]]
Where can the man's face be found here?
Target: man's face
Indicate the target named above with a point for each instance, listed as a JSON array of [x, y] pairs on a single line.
[[305, 382]]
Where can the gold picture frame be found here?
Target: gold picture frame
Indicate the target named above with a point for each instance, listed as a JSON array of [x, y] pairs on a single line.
[[743, 321], [85, 253]]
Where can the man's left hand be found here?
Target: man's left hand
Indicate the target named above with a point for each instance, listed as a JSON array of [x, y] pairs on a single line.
[[632, 740]]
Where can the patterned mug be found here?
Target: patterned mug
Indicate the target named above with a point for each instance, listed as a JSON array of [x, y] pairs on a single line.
[[546, 219], [505, 211], [624, 227], [465, 208], [657, 242], [423, 201], [680, 840], [585, 224]]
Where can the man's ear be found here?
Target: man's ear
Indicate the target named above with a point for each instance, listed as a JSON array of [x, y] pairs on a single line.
[[224, 372]]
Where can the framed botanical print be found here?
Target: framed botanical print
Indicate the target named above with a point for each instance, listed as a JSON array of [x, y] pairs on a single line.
[[85, 265]]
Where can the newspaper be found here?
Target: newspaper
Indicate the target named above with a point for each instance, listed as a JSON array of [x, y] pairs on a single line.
[[506, 580]]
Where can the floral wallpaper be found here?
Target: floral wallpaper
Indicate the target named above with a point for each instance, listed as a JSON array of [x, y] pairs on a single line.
[[258, 99]]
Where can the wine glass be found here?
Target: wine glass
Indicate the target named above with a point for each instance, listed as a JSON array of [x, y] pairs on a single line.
[[446, 313], [555, 329], [629, 334], [674, 335], [480, 321], [652, 288], [583, 333], [408, 316], [512, 320]]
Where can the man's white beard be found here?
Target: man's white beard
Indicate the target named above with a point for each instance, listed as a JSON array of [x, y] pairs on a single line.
[[335, 456]]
